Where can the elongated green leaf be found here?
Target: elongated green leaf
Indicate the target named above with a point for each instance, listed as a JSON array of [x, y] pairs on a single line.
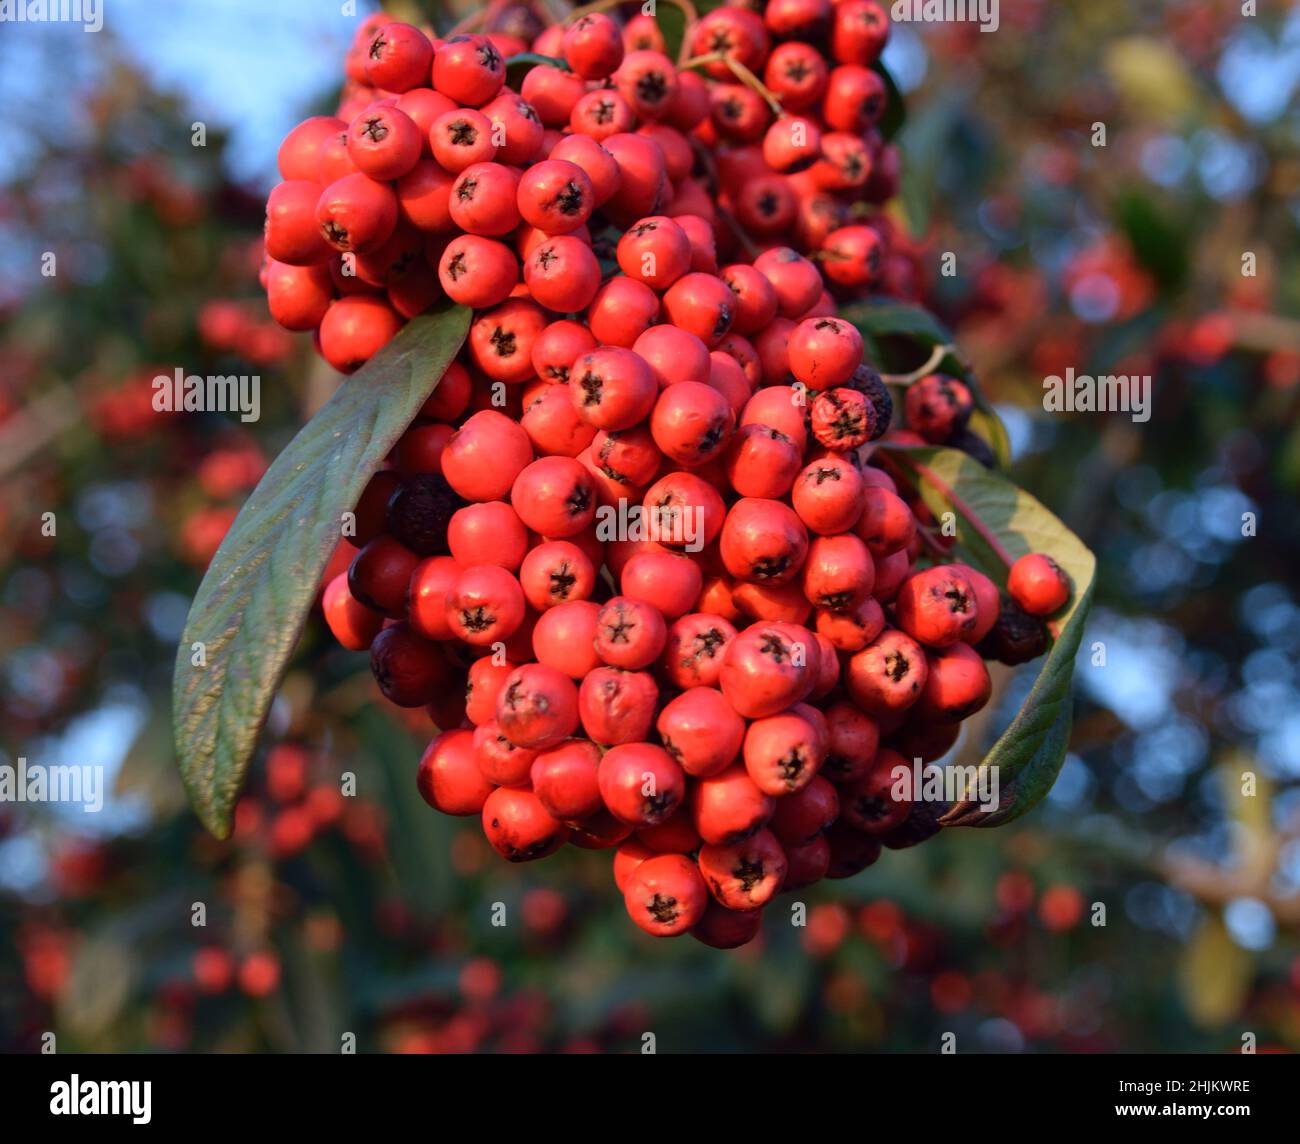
[[884, 323], [997, 521], [254, 599]]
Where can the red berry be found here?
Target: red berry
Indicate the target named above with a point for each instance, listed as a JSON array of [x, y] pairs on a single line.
[[298, 296], [612, 388], [499, 760], [398, 58], [937, 407], [468, 69], [870, 804], [803, 817], [727, 807], [484, 200], [384, 143], [701, 731], [703, 305], [517, 127], [782, 753], [556, 572], [937, 607], [824, 352], [744, 875], [1038, 584], [355, 214], [694, 649], [957, 684], [593, 46], [630, 633], [555, 196], [538, 707], [485, 456], [380, 573], [648, 81], [564, 779], [828, 497], [852, 741], [838, 574], [617, 706], [519, 827], [768, 667], [563, 274], [485, 605], [665, 895], [299, 154], [888, 675], [763, 541], [350, 622], [691, 423], [461, 138], [640, 783], [449, 779]]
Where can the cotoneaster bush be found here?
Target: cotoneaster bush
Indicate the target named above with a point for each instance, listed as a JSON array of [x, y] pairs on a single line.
[[660, 553]]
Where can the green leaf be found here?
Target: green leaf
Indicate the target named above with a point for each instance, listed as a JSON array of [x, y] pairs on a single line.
[[903, 335], [884, 317], [997, 522], [1158, 242], [255, 597], [891, 122], [672, 23], [519, 66]]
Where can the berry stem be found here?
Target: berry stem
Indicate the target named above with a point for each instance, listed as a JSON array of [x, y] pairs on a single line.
[[937, 355], [742, 73]]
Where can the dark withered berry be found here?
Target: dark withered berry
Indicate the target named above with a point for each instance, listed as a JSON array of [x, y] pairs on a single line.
[[975, 447], [1017, 637], [922, 822], [871, 385], [418, 513]]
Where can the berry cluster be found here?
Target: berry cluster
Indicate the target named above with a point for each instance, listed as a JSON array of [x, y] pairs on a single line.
[[632, 554], [435, 179]]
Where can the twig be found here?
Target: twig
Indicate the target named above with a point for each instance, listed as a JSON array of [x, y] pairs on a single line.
[[30, 430]]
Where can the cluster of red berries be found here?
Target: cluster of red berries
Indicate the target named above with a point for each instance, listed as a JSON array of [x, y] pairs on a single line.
[[631, 554], [435, 179]]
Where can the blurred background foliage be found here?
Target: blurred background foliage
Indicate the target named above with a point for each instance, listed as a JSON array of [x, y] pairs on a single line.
[[363, 912]]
